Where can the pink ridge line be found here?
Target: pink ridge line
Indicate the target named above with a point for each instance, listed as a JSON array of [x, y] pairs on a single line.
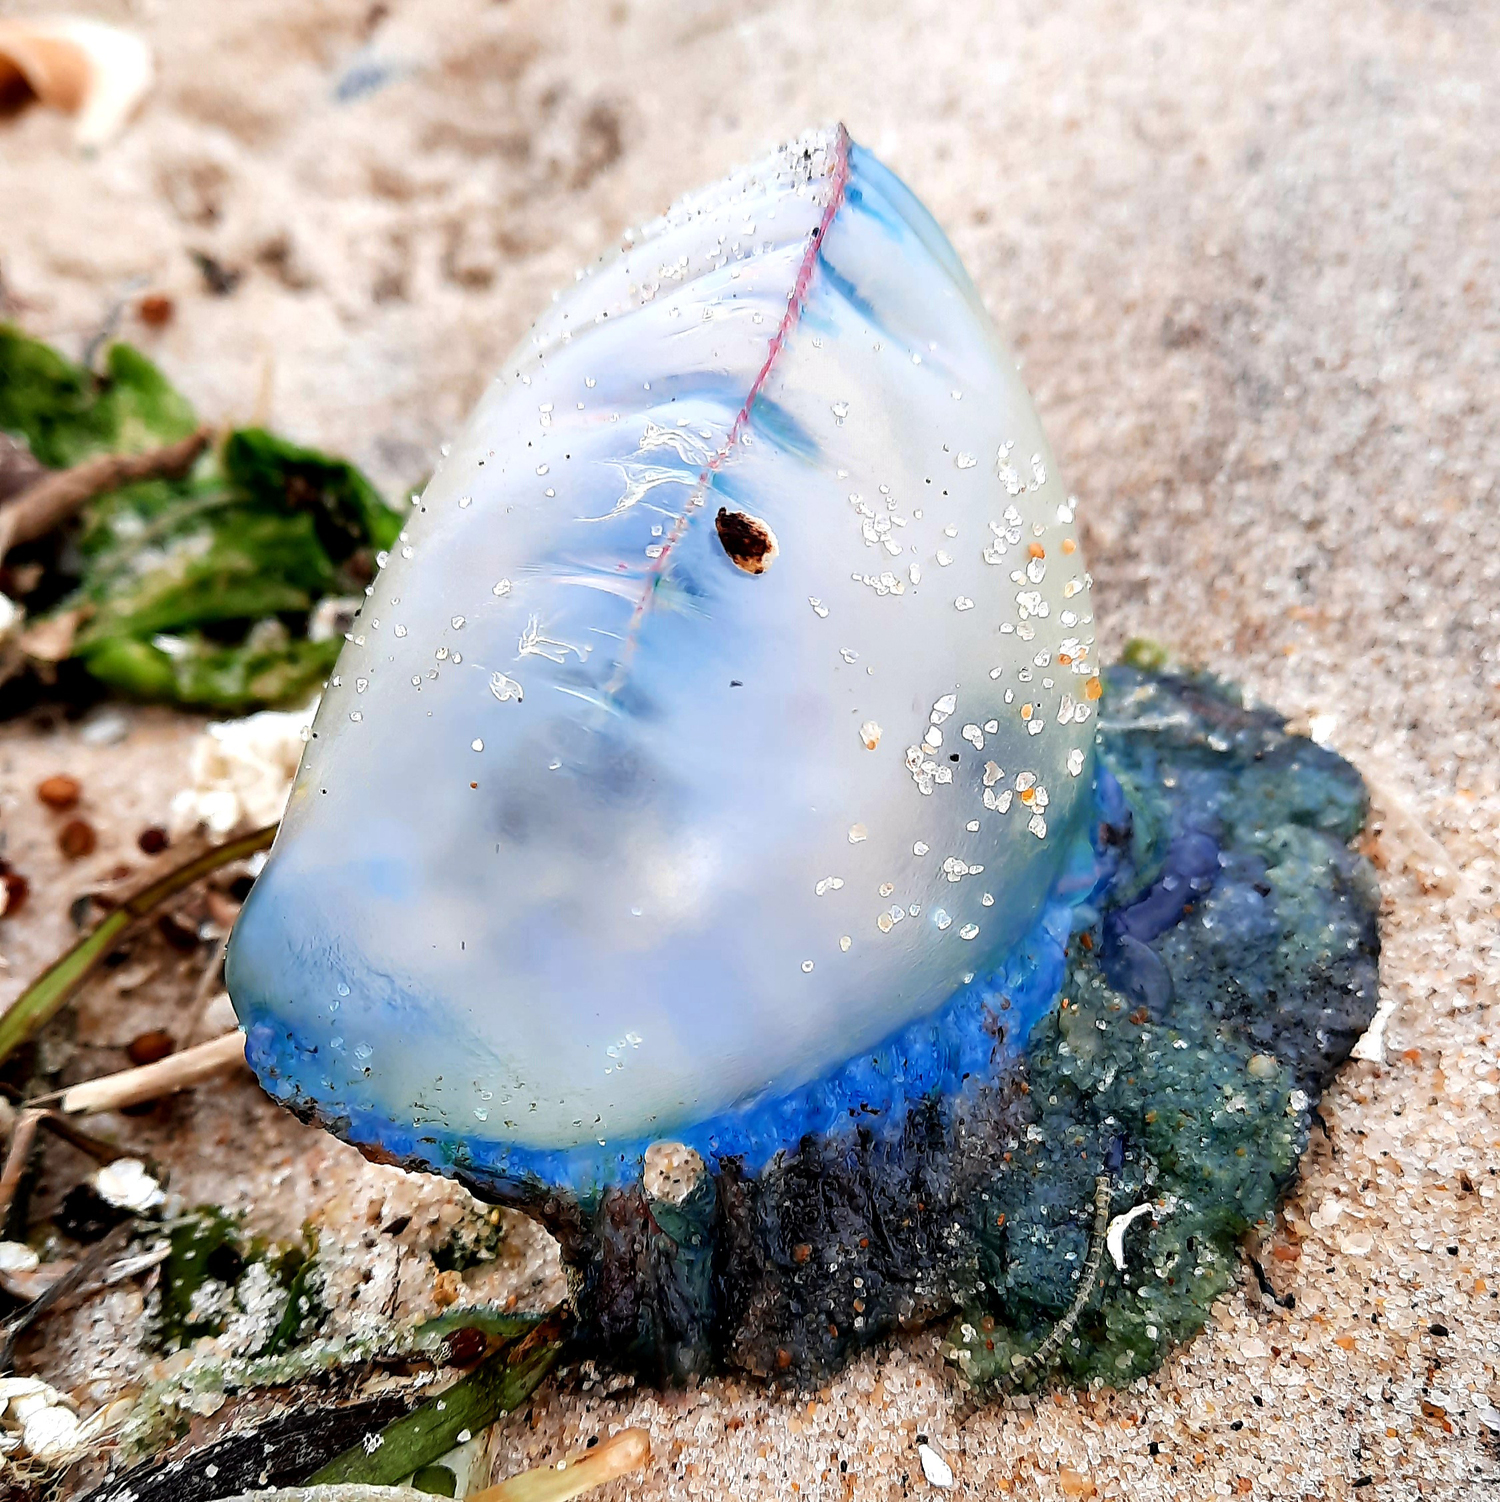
[[839, 179]]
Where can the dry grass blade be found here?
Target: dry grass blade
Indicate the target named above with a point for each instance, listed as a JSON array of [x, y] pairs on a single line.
[[178, 1071], [45, 996]]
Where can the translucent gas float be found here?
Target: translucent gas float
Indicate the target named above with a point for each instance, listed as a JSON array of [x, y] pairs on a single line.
[[708, 790]]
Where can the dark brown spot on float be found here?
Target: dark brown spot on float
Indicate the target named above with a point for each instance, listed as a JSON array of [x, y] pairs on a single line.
[[750, 543]]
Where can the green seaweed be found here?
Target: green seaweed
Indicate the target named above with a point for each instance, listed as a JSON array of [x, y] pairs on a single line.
[[203, 1244], [297, 1271], [195, 591], [211, 1246], [66, 413]]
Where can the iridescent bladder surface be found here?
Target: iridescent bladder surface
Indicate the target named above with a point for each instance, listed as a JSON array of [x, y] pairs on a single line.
[[723, 713]]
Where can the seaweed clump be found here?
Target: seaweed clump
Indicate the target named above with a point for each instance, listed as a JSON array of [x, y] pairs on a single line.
[[217, 1279], [227, 588]]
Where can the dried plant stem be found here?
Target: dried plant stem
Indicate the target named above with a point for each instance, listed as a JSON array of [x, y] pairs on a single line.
[[23, 1139], [178, 1071], [23, 1319], [500, 1383], [55, 497], [617, 1456], [43, 998]]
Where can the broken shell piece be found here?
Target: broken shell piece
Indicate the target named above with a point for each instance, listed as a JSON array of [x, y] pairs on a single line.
[[934, 1467], [126, 1185], [50, 1433], [50, 1430], [242, 771], [97, 73], [1114, 1238], [17, 1257]]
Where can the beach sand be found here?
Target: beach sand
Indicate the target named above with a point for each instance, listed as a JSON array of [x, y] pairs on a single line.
[[1247, 256]]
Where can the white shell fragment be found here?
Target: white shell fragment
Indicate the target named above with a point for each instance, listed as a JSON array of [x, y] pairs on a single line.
[[1114, 1236], [97, 73], [937, 1470], [126, 1185], [242, 771], [17, 1257]]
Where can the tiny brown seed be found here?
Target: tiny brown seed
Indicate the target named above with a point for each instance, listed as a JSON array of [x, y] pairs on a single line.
[[17, 889], [60, 791], [156, 309], [153, 840], [151, 1047], [77, 839]]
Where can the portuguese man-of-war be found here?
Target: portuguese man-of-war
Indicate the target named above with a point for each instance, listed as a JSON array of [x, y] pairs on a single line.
[[719, 838]]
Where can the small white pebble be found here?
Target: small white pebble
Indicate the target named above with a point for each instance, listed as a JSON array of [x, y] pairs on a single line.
[[17, 1257], [937, 1470], [126, 1185]]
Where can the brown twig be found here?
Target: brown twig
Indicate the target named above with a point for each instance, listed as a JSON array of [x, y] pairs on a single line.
[[23, 1319], [23, 1139], [51, 500]]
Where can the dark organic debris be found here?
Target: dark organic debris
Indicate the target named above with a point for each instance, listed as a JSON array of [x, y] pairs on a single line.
[[283, 1451], [220, 279], [86, 1216]]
